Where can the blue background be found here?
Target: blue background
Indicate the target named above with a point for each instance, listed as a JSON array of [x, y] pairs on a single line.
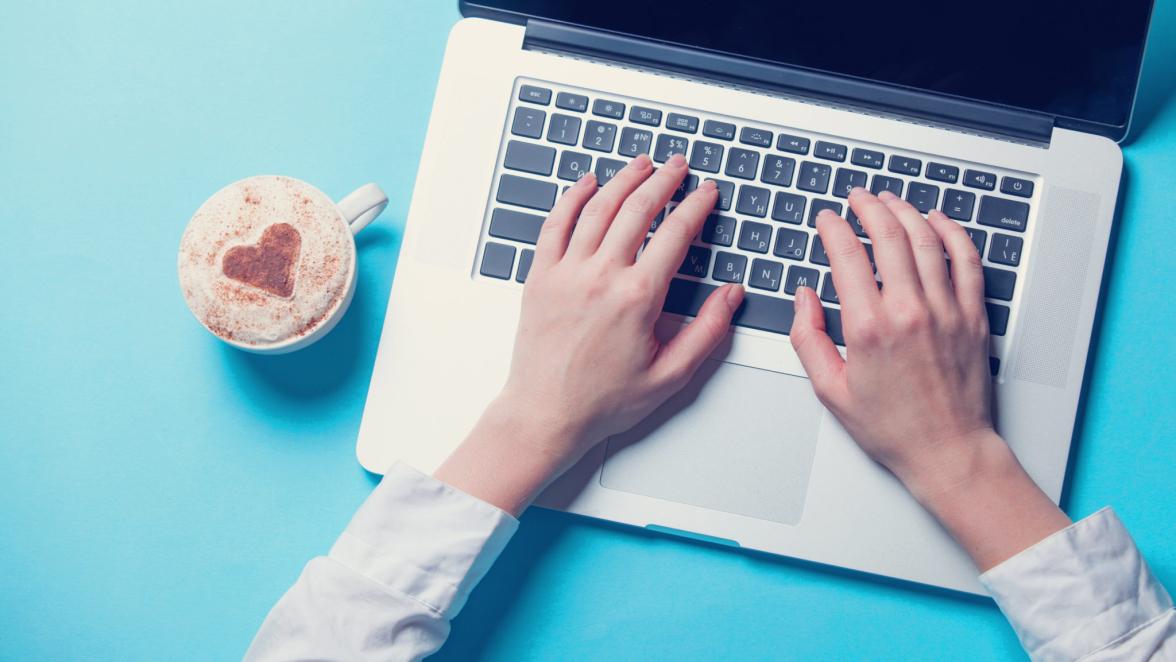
[[158, 491]]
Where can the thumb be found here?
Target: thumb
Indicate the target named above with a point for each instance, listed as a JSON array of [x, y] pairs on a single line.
[[818, 354], [682, 355]]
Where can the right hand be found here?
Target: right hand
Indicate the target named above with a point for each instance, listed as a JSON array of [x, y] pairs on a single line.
[[914, 391]]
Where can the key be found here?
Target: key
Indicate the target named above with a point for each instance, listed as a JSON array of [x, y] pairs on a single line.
[[528, 122], [685, 297], [573, 165], [634, 141], [883, 183], [792, 144], [706, 156], [657, 220], [998, 319], [696, 263], [720, 130], [765, 274], [958, 204], [726, 193], [753, 200], [533, 94], [847, 180], [866, 157], [752, 136], [978, 238], [905, 165], [788, 208], [525, 260], [497, 260], [600, 136], [729, 267], [790, 244], [828, 290], [818, 255], [682, 123], [942, 173], [718, 230], [1002, 213], [813, 177], [526, 192], [606, 169], [816, 208], [831, 151], [980, 179], [569, 101], [688, 184], [1005, 249], [667, 146], [755, 237], [924, 197], [855, 223], [833, 326], [515, 225], [993, 362], [528, 157], [766, 313], [800, 276], [1014, 186], [778, 170], [564, 129], [647, 116], [998, 283], [606, 108], [742, 163]]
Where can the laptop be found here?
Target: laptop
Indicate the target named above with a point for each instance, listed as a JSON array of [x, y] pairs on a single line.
[[1004, 114]]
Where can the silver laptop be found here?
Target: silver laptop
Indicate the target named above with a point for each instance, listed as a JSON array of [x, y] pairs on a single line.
[[1003, 114]]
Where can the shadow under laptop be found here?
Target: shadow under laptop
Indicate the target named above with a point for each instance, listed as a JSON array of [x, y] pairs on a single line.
[[303, 381]]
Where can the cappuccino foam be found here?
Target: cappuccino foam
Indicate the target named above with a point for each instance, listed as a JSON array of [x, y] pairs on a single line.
[[265, 260]]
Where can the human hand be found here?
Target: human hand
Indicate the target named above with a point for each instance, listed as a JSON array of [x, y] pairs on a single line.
[[914, 388], [586, 363]]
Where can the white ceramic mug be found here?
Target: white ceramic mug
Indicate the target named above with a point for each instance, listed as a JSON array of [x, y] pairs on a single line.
[[245, 309]]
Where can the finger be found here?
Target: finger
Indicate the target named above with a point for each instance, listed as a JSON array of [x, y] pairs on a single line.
[[967, 274], [667, 249], [853, 277], [818, 354], [631, 225], [680, 357], [927, 249], [892, 249], [598, 214], [557, 229]]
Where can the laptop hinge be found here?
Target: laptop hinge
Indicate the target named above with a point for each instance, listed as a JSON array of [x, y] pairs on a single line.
[[971, 116]]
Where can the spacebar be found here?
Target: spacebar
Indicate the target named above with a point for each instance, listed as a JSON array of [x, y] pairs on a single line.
[[757, 312]]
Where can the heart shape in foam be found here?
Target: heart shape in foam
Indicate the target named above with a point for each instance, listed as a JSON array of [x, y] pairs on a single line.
[[269, 264]]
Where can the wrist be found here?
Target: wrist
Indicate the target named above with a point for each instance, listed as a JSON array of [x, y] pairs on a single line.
[[956, 465], [509, 456]]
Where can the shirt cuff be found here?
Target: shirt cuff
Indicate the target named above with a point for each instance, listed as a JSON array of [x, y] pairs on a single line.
[[1078, 590], [418, 536]]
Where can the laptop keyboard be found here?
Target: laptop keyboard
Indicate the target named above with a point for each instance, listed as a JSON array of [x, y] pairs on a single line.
[[772, 182]]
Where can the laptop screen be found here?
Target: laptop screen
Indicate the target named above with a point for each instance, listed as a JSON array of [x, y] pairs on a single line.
[[1076, 59]]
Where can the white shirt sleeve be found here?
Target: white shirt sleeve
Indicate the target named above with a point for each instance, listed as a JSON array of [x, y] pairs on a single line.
[[1085, 593], [394, 579]]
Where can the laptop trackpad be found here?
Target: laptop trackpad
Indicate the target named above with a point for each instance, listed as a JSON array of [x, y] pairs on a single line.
[[736, 439]]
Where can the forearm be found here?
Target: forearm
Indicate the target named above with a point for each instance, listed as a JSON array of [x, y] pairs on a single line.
[[980, 493]]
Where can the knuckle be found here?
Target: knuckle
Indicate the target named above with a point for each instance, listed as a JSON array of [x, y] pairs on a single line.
[[926, 240], [911, 317], [849, 249], [864, 332], [639, 203], [888, 230]]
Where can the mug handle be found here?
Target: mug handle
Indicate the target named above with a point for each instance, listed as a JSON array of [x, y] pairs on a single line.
[[362, 206]]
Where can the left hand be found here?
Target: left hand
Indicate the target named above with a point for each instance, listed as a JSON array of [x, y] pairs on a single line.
[[586, 363]]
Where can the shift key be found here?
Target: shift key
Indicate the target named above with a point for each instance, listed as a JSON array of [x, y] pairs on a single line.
[[1002, 213], [526, 192]]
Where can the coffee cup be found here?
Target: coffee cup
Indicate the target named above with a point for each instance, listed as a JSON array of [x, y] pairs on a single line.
[[268, 263]]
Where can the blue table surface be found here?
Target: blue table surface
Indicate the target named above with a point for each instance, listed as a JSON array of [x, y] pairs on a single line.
[[159, 491]]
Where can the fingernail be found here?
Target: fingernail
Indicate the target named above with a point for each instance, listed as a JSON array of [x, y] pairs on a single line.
[[676, 160], [857, 190], [801, 298], [707, 185], [887, 196], [641, 162], [734, 296], [586, 179], [825, 212]]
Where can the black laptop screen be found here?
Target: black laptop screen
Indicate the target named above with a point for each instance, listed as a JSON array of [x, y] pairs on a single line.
[[1072, 58]]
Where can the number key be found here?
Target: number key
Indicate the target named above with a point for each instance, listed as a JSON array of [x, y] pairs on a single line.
[[634, 141], [813, 177], [778, 170], [742, 163], [706, 156], [600, 136], [668, 145]]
